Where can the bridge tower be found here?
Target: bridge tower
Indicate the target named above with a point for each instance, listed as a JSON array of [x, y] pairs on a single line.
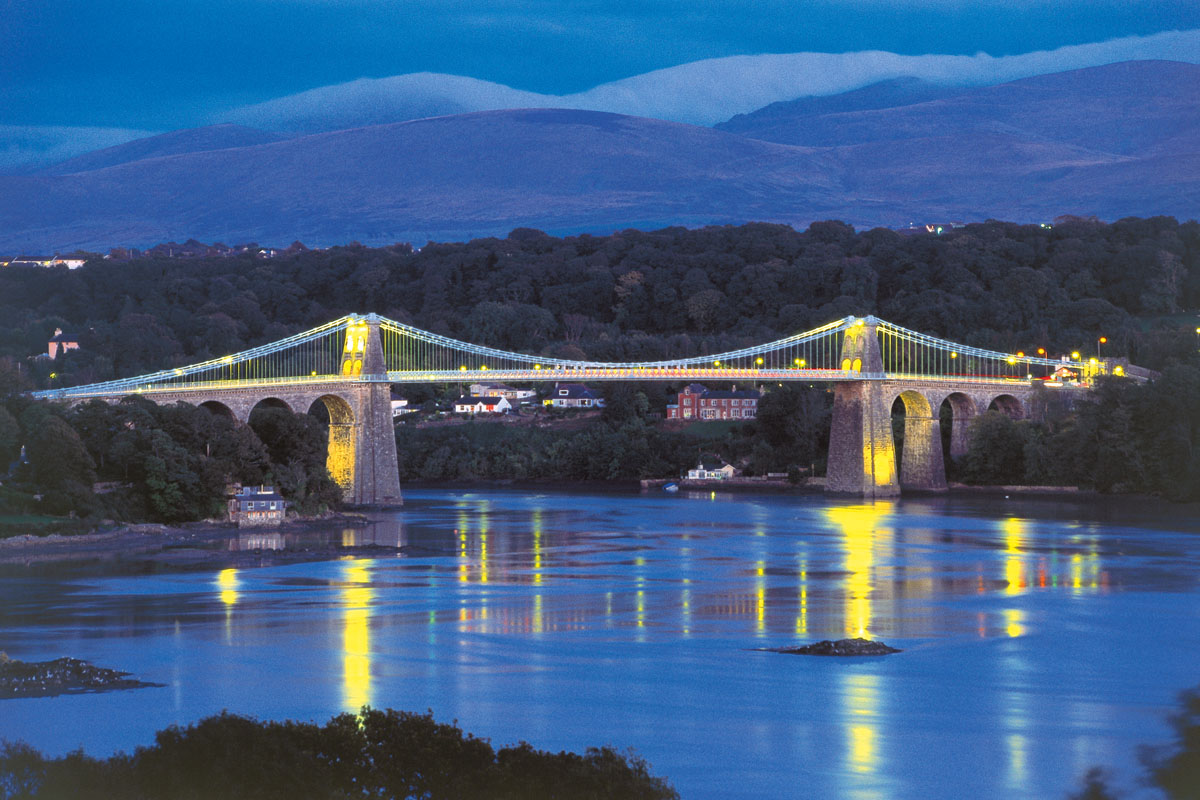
[[373, 438], [862, 454]]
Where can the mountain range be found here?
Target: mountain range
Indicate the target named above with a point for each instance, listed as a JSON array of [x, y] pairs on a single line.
[[1114, 140]]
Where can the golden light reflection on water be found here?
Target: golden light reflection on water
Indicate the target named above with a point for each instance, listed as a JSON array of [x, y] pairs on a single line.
[[760, 598], [1014, 558], [537, 545], [356, 596], [227, 586], [227, 581], [861, 537], [861, 696]]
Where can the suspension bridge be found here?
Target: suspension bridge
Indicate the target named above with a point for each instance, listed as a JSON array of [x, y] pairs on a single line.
[[348, 366]]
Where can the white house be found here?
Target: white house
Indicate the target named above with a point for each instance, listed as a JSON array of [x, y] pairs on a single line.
[[501, 390], [482, 405], [400, 405], [711, 471]]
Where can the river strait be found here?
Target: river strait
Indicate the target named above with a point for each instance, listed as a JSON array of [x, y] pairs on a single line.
[[1039, 637]]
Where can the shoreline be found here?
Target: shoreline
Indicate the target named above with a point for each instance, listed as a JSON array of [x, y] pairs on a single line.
[[192, 545]]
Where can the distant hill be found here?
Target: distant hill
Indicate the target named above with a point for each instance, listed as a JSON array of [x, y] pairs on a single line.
[[442, 178], [776, 121], [1114, 141], [193, 140], [1130, 108]]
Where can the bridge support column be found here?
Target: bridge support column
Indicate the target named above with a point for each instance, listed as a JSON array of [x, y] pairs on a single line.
[[862, 455], [958, 436], [376, 469], [922, 466]]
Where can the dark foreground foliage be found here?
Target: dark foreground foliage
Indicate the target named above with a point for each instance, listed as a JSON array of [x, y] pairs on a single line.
[[376, 754], [1175, 768]]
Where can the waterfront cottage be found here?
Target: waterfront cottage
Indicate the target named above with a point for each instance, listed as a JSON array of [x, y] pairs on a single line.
[[712, 471], [257, 505]]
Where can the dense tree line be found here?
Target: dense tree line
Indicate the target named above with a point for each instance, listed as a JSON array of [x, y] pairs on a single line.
[[642, 295], [368, 755], [791, 434], [632, 295], [169, 463], [1123, 437]]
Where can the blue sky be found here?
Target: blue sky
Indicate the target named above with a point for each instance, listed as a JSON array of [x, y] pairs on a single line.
[[158, 64]]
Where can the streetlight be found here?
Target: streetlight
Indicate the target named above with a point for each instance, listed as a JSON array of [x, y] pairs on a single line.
[[1100, 341]]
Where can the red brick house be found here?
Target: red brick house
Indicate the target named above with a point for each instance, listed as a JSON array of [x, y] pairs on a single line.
[[698, 402]]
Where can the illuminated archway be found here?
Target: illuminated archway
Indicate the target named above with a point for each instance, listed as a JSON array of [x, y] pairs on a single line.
[[919, 442], [338, 415]]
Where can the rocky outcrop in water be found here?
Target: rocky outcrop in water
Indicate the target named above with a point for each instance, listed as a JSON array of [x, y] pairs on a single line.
[[60, 676], [842, 647]]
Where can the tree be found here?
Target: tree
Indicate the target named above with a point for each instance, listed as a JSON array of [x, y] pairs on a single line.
[[58, 456], [995, 450]]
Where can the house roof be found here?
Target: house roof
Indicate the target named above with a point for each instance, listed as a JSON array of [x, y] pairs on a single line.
[[259, 494], [474, 400], [574, 391], [719, 394], [695, 388], [65, 337]]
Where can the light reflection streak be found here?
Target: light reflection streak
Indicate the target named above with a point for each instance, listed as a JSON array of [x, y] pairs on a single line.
[[760, 599], [227, 584], [356, 596], [861, 695], [860, 538]]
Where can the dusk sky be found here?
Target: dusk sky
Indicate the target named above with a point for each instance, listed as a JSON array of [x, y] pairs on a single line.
[[160, 64]]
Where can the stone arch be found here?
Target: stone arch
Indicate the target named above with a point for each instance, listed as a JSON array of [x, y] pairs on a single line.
[[955, 414], [336, 412], [265, 402], [1007, 404], [921, 462], [218, 409]]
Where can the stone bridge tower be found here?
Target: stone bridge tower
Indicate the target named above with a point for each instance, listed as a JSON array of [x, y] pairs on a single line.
[[376, 480], [862, 455]]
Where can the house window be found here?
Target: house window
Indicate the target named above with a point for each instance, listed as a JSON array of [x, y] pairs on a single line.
[[687, 401], [563, 392]]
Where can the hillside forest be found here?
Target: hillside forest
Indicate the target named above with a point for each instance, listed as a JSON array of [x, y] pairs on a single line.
[[632, 295]]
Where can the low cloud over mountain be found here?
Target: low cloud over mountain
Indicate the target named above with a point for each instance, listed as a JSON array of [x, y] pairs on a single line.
[[1113, 141], [701, 93]]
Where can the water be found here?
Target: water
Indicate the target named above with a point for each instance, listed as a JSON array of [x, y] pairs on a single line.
[[1039, 638]]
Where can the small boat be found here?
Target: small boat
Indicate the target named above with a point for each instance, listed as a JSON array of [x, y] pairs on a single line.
[[671, 487]]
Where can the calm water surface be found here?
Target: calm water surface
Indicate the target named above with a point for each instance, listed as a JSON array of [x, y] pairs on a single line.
[[1039, 638]]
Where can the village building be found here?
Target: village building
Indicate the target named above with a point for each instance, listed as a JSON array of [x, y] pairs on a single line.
[[400, 405], [257, 505], [70, 262], [502, 390], [61, 343], [699, 402], [482, 405], [573, 395], [712, 470]]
